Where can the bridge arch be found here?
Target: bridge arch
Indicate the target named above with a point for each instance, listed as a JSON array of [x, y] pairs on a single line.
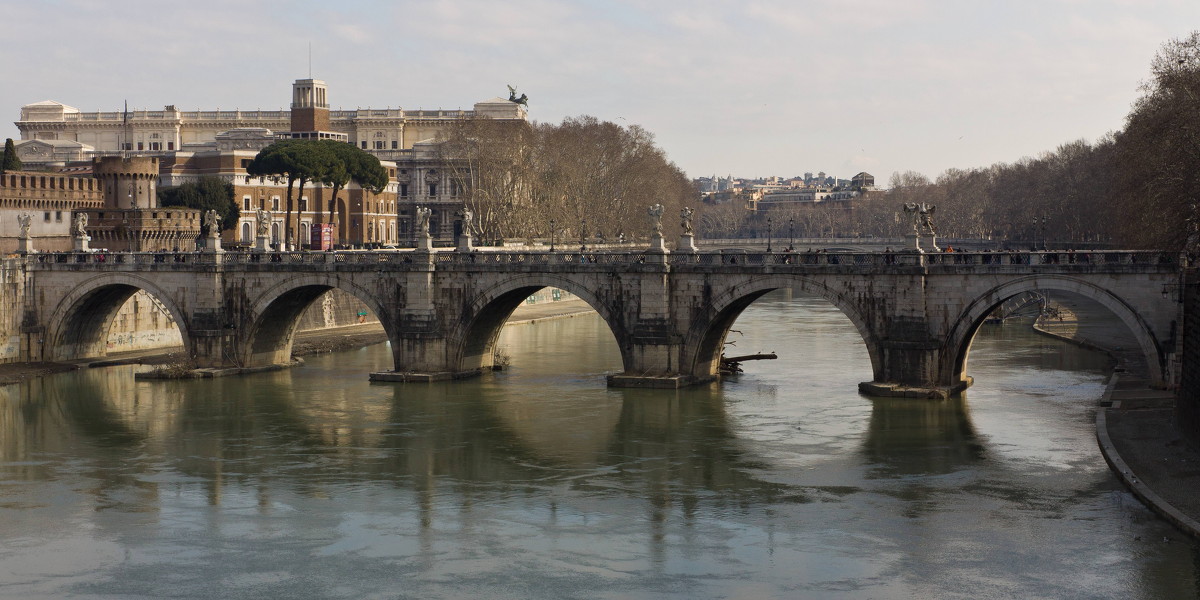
[[962, 332], [473, 338], [79, 324], [706, 335], [275, 314]]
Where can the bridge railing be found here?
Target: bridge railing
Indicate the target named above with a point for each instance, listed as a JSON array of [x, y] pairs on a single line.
[[101, 257], [796, 259], [1054, 257], [536, 258]]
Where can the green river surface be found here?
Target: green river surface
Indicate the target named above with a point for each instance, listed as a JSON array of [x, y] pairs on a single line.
[[540, 482]]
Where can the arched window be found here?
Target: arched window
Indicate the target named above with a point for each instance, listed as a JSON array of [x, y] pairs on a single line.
[[274, 233], [245, 232]]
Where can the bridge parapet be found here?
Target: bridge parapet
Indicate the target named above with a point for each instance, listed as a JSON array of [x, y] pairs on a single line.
[[1035, 259]]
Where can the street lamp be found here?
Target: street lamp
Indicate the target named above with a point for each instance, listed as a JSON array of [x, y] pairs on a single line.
[[552, 232], [791, 233], [1035, 230], [583, 235], [768, 234]]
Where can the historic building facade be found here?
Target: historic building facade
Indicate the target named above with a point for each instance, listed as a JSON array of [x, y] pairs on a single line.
[[191, 144]]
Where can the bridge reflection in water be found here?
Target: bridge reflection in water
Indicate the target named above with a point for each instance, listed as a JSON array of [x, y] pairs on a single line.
[[541, 482]]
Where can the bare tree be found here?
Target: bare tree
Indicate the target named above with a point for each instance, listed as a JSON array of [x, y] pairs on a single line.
[[584, 178]]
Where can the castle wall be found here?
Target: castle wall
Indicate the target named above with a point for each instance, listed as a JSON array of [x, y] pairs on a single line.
[[48, 198]]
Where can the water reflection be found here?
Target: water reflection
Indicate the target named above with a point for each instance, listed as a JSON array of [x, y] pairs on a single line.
[[920, 438], [540, 482]]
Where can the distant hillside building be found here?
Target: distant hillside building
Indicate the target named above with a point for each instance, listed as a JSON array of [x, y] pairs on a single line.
[[863, 181]]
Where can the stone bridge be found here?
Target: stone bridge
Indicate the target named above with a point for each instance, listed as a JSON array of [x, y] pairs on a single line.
[[669, 312]]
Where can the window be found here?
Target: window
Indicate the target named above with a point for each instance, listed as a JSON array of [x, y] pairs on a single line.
[[58, 216], [303, 204], [364, 144], [170, 145], [245, 162], [246, 203], [245, 232], [156, 145], [404, 190], [140, 146], [395, 145], [275, 203], [379, 144], [433, 189], [46, 217]]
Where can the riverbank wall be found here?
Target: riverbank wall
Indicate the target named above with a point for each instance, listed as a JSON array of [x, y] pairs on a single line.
[[1187, 401]]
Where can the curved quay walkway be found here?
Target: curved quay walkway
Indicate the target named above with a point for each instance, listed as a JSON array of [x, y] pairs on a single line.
[[1136, 432], [1135, 428]]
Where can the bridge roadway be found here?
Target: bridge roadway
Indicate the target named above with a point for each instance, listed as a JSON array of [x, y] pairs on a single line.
[[669, 312]]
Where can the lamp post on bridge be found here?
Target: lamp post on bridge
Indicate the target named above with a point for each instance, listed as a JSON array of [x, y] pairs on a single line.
[[1035, 229], [553, 231], [768, 234], [791, 234], [583, 235]]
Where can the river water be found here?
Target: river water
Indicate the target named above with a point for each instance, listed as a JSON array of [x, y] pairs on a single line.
[[539, 482]]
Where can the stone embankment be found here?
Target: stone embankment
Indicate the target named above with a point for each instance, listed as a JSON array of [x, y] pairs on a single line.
[[1135, 424]]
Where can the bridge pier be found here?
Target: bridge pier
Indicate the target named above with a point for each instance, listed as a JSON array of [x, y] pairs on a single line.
[[419, 351], [912, 369], [913, 390]]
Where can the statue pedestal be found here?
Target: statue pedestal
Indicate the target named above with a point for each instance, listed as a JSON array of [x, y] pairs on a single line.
[[933, 243], [25, 245], [913, 243], [657, 245], [464, 243], [425, 242], [262, 243], [80, 243], [212, 243], [687, 243]]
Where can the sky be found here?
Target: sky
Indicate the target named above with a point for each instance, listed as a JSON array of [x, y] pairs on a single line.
[[750, 88]]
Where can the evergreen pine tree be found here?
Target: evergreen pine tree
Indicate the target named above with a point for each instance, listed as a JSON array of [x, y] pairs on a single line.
[[10, 162]]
